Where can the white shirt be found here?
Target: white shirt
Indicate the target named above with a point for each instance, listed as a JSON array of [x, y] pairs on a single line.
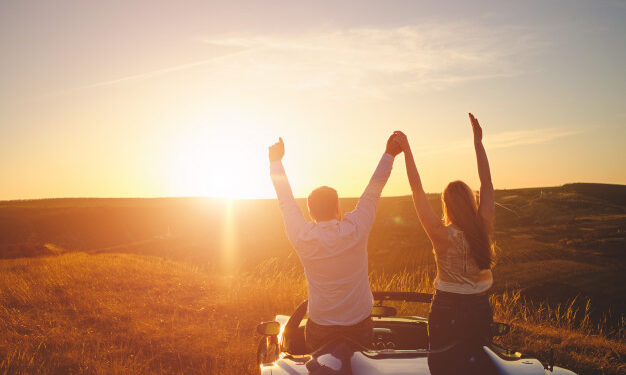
[[334, 253]]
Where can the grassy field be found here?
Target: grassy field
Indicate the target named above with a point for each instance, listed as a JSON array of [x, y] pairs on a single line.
[[178, 285]]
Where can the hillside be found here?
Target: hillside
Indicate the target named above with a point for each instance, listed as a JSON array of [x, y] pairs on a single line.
[[177, 285], [572, 237]]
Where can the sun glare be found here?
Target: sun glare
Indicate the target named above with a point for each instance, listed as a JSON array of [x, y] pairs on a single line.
[[229, 248], [224, 157]]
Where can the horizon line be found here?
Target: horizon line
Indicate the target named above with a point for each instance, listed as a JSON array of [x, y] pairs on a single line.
[[274, 198]]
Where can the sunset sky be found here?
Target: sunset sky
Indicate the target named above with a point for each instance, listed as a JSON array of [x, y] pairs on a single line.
[[167, 98]]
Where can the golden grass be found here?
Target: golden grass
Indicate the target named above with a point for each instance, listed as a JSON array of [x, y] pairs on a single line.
[[130, 314], [104, 314], [579, 343]]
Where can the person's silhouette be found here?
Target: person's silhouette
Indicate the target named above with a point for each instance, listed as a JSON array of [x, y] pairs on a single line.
[[333, 251], [460, 315]]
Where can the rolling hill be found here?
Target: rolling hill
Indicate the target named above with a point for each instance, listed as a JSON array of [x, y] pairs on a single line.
[[176, 285]]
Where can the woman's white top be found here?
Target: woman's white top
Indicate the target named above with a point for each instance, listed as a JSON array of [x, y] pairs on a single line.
[[457, 271]]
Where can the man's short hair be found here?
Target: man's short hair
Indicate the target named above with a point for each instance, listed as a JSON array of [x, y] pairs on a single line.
[[323, 203]]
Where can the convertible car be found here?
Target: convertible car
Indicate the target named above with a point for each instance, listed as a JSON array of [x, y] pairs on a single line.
[[400, 346]]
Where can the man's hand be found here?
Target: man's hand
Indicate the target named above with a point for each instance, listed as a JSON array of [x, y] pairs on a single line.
[[478, 131], [393, 145], [277, 150]]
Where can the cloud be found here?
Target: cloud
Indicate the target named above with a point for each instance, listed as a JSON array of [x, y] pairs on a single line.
[[527, 137], [378, 61], [357, 62], [164, 71], [140, 76], [502, 140]]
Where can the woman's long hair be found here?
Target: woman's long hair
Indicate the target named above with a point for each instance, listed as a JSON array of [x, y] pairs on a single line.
[[461, 209]]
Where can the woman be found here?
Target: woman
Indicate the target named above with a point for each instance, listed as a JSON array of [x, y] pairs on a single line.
[[460, 315]]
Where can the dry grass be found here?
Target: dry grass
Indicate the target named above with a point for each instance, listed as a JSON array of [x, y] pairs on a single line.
[[579, 343], [119, 313], [106, 314]]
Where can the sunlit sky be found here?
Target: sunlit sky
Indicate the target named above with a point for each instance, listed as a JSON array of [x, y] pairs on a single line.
[[166, 98]]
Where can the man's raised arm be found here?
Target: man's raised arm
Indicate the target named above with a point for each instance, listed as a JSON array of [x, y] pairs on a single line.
[[365, 211], [292, 214]]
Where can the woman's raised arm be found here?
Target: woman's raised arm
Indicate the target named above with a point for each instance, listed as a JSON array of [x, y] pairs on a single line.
[[433, 226], [487, 206]]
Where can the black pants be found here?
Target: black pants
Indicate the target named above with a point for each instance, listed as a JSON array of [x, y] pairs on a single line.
[[317, 335], [459, 325]]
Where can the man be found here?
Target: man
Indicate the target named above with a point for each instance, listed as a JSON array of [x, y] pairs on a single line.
[[333, 251]]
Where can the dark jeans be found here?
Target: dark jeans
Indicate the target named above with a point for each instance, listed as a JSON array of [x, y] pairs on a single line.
[[459, 325], [317, 335]]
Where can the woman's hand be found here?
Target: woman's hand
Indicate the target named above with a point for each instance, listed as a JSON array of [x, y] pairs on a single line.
[[478, 131]]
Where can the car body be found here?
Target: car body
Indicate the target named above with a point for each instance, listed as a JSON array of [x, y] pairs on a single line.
[[400, 346]]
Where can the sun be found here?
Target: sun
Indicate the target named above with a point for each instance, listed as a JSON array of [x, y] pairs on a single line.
[[226, 157]]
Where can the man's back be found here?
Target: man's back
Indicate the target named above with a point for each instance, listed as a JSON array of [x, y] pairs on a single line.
[[334, 256], [332, 251]]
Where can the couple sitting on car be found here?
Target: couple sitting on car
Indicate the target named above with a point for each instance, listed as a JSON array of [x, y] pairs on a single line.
[[333, 251]]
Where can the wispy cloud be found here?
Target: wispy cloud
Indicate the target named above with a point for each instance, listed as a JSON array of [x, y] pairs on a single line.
[[164, 71], [379, 61], [502, 140], [142, 76], [372, 62], [528, 137]]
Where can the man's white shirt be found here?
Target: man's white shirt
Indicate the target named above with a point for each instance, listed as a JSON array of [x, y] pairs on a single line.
[[334, 253]]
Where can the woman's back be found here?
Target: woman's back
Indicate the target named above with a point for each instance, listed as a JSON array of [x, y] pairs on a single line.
[[457, 270]]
